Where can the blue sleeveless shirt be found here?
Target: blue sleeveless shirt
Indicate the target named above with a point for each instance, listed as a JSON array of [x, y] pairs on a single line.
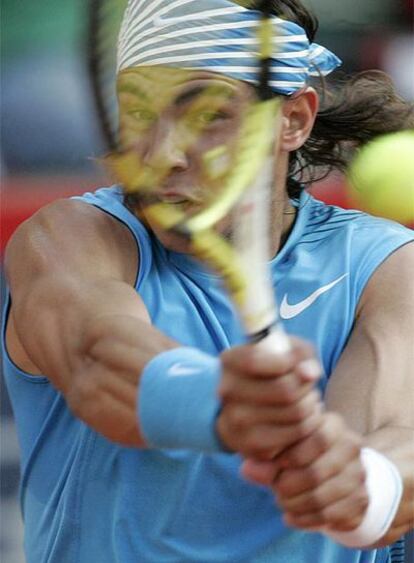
[[85, 499]]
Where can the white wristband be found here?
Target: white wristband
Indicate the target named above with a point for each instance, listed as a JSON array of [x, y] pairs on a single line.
[[385, 488]]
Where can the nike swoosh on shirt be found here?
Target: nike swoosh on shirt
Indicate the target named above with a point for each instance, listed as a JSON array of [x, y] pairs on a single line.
[[288, 311]]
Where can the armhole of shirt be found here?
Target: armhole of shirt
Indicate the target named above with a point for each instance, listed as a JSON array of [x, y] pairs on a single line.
[[9, 364], [109, 200], [377, 255]]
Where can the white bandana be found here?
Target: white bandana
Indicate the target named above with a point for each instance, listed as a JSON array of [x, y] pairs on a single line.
[[218, 36]]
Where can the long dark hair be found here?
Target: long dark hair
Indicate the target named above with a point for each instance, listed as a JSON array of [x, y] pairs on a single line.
[[354, 110]]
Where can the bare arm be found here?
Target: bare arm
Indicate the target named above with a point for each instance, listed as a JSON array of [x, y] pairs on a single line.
[[370, 400], [71, 270], [93, 334], [373, 385]]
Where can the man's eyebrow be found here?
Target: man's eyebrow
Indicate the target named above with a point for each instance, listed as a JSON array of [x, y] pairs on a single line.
[[128, 88], [192, 93]]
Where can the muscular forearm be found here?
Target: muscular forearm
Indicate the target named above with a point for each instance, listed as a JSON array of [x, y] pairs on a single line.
[[103, 390], [92, 343]]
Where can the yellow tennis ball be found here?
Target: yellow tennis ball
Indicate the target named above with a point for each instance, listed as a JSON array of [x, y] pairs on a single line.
[[381, 177]]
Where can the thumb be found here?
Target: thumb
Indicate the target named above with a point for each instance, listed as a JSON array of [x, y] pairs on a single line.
[[259, 472]]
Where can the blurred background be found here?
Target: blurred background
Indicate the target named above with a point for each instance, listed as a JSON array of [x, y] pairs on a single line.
[[50, 136]]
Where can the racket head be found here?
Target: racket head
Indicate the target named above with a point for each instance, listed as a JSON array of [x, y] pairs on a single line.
[[221, 172], [104, 20], [229, 129]]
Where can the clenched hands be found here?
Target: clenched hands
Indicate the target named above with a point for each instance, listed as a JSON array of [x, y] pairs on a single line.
[[273, 416]]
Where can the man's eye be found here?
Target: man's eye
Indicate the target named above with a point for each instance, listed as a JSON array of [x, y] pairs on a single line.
[[142, 115], [208, 117]]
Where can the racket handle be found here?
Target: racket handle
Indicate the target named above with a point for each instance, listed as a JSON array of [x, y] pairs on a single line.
[[275, 341]]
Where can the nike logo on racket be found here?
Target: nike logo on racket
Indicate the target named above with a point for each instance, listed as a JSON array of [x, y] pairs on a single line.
[[288, 311]]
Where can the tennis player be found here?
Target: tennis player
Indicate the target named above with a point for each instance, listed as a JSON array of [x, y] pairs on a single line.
[[149, 430]]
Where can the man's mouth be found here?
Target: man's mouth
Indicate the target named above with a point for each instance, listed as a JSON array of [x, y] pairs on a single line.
[[173, 198], [179, 197]]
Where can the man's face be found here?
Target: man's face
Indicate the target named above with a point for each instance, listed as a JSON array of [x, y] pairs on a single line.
[[173, 118]]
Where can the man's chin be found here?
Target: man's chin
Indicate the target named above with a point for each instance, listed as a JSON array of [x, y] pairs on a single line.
[[172, 242]]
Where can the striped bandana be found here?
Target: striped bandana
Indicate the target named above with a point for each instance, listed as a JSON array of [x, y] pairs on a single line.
[[217, 36]]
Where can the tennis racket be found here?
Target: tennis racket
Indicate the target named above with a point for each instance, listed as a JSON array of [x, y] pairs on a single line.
[[240, 174], [104, 21]]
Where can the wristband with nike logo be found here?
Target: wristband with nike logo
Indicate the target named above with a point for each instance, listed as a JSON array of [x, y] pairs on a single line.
[[177, 402]]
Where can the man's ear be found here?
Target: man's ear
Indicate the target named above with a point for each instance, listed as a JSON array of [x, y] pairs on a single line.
[[299, 114]]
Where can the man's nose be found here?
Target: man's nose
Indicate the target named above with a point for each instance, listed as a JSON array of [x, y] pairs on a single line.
[[165, 147]]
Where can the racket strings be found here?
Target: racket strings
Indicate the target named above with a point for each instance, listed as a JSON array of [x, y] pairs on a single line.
[[104, 23], [253, 146], [266, 50]]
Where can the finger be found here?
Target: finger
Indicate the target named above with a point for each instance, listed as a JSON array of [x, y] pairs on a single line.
[[294, 482], [309, 370], [265, 442], [254, 361], [242, 416], [259, 472], [329, 432], [341, 516], [262, 442], [280, 391], [330, 491]]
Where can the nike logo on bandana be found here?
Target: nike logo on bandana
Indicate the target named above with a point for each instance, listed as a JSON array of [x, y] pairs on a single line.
[[288, 311]]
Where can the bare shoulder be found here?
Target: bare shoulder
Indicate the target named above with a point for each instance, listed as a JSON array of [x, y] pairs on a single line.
[[373, 381], [71, 236], [64, 251], [390, 289]]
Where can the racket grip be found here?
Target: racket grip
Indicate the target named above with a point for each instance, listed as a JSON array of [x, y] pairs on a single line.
[[275, 341]]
